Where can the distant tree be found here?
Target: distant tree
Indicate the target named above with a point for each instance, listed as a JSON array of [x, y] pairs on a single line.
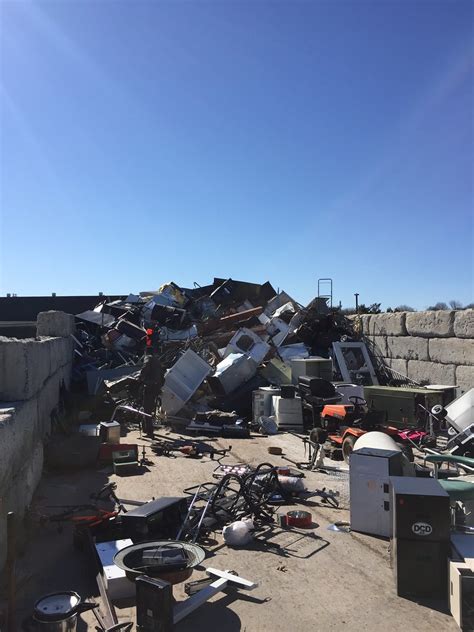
[[404, 308], [469, 306], [370, 309], [389, 310], [438, 306], [455, 304]]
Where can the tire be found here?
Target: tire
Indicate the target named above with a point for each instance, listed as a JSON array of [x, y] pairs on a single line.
[[348, 446]]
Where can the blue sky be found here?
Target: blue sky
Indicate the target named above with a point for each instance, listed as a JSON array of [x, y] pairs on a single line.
[[143, 142]]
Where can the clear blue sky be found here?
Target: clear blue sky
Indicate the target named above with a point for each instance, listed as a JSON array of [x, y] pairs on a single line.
[[143, 142]]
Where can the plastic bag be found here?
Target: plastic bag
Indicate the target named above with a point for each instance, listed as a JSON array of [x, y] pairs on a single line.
[[238, 533]]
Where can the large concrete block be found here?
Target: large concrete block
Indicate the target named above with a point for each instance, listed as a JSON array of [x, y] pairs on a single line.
[[407, 348], [61, 350], [465, 377], [431, 372], [17, 495], [19, 431], [24, 367], [435, 324], [387, 324], [399, 365], [377, 345], [365, 323], [464, 323], [48, 399], [54, 323], [360, 323], [452, 350]]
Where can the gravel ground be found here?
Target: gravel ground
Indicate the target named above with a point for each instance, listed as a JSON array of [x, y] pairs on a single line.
[[318, 580]]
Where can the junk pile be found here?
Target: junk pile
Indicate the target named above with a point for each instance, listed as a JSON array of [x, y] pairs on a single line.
[[212, 348]]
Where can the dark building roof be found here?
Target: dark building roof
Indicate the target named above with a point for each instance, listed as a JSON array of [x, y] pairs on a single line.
[[27, 308]]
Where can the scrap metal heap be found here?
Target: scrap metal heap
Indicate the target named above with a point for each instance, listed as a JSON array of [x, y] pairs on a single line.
[[216, 343]]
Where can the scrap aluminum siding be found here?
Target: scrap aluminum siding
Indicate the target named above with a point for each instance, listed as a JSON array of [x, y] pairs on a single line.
[[182, 381]]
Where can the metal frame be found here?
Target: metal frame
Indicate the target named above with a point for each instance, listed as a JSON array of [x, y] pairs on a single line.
[[326, 281], [338, 349]]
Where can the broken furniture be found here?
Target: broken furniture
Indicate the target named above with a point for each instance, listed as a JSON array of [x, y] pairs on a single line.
[[157, 610], [421, 536]]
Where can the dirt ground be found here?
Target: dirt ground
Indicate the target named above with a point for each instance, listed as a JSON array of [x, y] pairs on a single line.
[[318, 580]]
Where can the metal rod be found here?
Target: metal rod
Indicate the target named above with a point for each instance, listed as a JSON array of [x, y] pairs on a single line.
[[204, 511], [189, 511]]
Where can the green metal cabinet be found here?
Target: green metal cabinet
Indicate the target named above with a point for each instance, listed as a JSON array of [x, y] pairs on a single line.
[[401, 404]]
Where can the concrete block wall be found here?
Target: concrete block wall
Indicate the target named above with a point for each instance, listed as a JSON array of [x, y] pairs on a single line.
[[434, 347], [31, 373]]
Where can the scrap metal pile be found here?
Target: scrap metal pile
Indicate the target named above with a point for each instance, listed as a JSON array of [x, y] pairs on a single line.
[[216, 345]]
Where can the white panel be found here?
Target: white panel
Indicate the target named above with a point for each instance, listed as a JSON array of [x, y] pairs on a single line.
[[182, 380]]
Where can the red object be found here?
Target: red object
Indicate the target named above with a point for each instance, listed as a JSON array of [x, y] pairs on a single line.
[[149, 334], [299, 519], [106, 450]]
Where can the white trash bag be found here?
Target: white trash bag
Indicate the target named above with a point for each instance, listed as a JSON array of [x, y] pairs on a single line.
[[238, 533]]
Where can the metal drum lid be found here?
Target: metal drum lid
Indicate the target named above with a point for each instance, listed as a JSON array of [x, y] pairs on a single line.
[[57, 606]]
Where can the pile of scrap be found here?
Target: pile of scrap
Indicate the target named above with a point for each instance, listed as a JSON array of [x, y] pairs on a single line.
[[213, 347]]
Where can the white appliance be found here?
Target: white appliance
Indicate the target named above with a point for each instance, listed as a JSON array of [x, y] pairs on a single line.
[[369, 473], [461, 411], [461, 594], [233, 371], [262, 402], [182, 381], [246, 341], [288, 413], [117, 583]]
